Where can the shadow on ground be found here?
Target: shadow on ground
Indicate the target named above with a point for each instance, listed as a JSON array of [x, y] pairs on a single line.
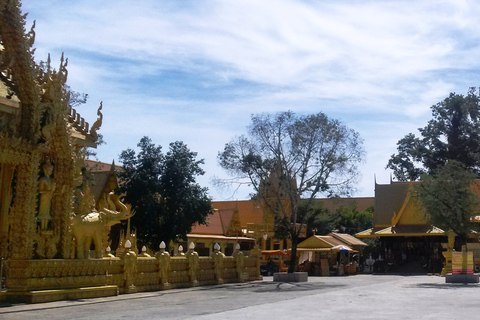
[[284, 286], [446, 286]]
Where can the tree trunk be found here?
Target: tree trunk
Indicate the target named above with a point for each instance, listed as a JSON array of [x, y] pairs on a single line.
[[460, 241], [292, 266]]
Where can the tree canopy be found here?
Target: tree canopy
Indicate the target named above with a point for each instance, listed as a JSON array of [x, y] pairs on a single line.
[[448, 199], [287, 157], [162, 190], [452, 134], [344, 219]]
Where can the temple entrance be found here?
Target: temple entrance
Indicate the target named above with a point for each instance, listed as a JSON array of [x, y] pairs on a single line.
[[410, 255]]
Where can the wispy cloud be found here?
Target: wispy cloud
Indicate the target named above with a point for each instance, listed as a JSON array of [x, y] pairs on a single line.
[[196, 70]]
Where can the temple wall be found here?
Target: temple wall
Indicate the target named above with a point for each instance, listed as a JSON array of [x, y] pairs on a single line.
[[46, 280], [207, 271]]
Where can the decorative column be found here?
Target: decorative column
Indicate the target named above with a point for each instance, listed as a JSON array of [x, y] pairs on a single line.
[[163, 259], [218, 262], [22, 213], [257, 253], [6, 176], [242, 276], [129, 268], [192, 258]]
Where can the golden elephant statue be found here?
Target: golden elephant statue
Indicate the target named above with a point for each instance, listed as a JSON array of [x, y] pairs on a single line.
[[95, 225]]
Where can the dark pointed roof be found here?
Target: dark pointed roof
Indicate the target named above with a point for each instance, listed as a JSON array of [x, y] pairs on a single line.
[[389, 198]]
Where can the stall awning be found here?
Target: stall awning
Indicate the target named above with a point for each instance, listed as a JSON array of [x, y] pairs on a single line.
[[342, 248], [313, 249], [281, 253], [192, 236]]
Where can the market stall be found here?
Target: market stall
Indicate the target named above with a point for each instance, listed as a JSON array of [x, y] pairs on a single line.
[[276, 261], [325, 256]]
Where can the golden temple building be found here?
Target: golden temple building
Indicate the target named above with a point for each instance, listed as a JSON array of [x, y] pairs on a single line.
[[408, 241]]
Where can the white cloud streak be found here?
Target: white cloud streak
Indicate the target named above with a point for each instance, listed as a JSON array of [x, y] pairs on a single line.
[[196, 70]]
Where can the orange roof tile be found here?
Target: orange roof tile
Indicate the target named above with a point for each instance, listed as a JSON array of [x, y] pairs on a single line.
[[218, 223], [192, 236], [332, 204], [249, 211], [97, 166]]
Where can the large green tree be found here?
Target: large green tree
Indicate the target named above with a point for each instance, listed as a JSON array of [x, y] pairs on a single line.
[[287, 157], [162, 190], [452, 134], [344, 219], [448, 199]]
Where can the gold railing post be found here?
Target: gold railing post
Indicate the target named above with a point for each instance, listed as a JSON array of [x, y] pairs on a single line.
[[129, 268], [192, 258], [163, 260], [218, 262], [242, 276]]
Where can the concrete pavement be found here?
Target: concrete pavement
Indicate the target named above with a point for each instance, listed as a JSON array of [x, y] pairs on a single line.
[[353, 297]]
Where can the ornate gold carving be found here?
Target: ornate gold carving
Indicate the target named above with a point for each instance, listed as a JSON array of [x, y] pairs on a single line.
[[42, 129], [96, 125], [46, 188]]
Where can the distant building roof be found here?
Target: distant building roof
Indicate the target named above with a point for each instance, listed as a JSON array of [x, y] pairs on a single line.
[[249, 211], [218, 223], [105, 179], [389, 198], [347, 239], [323, 243], [97, 166], [398, 214], [332, 204]]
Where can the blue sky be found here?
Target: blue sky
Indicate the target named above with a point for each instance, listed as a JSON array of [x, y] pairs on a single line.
[[196, 70]]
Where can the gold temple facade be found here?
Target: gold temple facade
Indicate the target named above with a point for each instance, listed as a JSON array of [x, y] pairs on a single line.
[[49, 214]]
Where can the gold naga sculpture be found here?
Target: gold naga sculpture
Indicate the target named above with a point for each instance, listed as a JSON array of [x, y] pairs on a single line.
[[96, 224]]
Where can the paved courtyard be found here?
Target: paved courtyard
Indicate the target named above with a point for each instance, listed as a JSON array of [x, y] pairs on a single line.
[[354, 297]]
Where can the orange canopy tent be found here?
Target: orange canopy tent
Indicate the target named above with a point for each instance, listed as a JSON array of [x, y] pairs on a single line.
[[270, 253]]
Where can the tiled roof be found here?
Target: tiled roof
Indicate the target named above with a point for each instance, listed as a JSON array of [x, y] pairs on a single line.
[[333, 204], [348, 239], [410, 230], [192, 236], [101, 181], [218, 223], [331, 240], [97, 166], [365, 233], [389, 198], [249, 210], [325, 243], [402, 231], [102, 175]]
